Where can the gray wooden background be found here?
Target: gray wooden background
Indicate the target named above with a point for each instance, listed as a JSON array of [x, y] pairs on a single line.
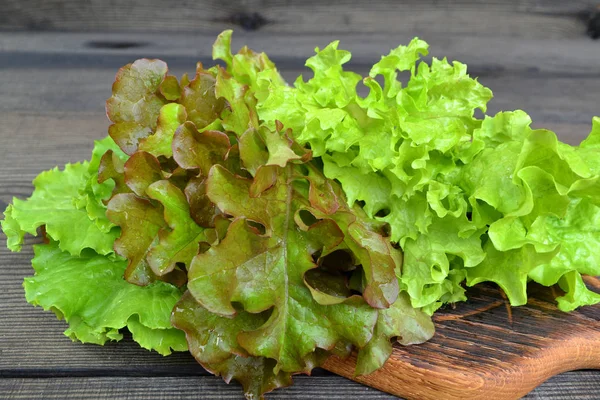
[[58, 59]]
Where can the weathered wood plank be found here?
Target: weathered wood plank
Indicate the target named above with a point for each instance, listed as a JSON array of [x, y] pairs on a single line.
[[523, 18], [582, 385], [183, 388], [483, 53], [585, 385]]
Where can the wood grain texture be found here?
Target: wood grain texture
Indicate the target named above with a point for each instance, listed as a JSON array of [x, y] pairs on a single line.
[[186, 388], [51, 109], [490, 55], [561, 387], [479, 349], [523, 18]]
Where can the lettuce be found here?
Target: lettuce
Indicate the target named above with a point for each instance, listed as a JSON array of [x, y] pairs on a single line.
[[77, 274], [60, 203], [90, 295], [265, 226], [257, 231], [464, 197]]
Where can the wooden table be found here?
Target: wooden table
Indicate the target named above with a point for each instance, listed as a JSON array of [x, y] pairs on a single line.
[[53, 85]]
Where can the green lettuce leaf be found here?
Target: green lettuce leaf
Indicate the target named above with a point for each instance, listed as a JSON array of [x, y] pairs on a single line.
[[96, 193], [169, 118], [88, 292], [12, 229], [62, 198], [545, 196], [577, 237], [58, 204]]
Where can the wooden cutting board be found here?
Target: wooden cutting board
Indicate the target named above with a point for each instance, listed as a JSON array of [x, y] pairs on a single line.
[[484, 349]]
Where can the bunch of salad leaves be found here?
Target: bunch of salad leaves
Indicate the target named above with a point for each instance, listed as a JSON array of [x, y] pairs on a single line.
[[264, 227]]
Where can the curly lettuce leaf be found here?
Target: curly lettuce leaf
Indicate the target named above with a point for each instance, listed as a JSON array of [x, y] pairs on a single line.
[[96, 193], [577, 240], [147, 105], [89, 293], [213, 342], [169, 118], [12, 229], [545, 196], [180, 243], [136, 102], [101, 147], [247, 67], [200, 100], [62, 197], [159, 217], [58, 204]]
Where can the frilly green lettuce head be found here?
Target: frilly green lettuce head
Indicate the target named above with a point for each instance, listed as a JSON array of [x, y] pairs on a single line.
[[465, 197]]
